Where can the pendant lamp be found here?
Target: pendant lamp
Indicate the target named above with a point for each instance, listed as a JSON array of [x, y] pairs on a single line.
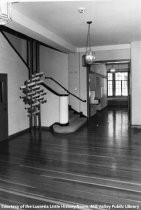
[[90, 55]]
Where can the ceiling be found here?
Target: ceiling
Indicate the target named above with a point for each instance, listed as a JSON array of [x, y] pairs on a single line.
[[114, 21]]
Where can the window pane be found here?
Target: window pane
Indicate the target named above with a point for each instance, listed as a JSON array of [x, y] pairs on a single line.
[[118, 76], [110, 76], [110, 88], [118, 88], [124, 88], [124, 76]]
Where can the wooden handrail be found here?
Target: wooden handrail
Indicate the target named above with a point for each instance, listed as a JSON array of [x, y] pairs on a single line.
[[65, 89], [51, 90]]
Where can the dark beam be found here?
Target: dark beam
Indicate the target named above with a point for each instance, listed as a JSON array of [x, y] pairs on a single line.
[[23, 36], [15, 50]]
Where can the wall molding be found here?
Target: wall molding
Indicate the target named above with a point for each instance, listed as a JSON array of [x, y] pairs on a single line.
[[19, 133], [106, 47]]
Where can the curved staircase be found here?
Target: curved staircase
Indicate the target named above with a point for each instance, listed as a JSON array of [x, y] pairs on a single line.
[[76, 121]]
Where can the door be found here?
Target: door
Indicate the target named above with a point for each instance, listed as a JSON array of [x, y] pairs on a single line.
[[3, 107]]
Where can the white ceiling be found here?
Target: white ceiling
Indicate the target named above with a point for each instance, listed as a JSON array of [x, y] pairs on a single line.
[[114, 21]]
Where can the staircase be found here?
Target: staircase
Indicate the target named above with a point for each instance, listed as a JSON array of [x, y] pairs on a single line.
[[75, 122]]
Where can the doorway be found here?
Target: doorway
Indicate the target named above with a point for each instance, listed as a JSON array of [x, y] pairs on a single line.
[[3, 107], [118, 84], [109, 83]]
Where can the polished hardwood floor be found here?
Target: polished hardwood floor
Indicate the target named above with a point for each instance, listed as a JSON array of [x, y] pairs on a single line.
[[98, 167]]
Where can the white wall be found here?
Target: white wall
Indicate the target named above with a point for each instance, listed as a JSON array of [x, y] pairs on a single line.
[[55, 65], [78, 75], [17, 73], [74, 78], [19, 44], [101, 87], [50, 110], [136, 83], [115, 54], [83, 86], [77, 82]]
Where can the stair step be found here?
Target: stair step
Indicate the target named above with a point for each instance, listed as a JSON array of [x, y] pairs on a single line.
[[73, 117], [74, 125]]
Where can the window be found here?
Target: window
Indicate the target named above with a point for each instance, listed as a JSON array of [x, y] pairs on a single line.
[[118, 84], [110, 84]]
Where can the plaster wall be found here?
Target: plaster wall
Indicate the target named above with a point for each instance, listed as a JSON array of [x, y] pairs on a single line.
[[115, 54], [135, 83], [17, 74], [54, 64]]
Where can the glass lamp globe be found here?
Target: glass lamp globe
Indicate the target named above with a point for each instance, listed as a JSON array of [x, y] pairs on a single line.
[[89, 57]]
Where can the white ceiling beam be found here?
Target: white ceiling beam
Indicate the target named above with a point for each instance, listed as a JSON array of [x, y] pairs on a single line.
[[31, 28], [14, 1]]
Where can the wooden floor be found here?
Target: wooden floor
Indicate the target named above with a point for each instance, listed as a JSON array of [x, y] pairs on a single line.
[[98, 167]]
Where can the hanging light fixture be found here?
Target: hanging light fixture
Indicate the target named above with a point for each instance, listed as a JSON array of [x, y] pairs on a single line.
[[5, 12], [90, 55]]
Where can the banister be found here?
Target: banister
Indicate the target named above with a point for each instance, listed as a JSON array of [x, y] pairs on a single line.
[[51, 90], [65, 89]]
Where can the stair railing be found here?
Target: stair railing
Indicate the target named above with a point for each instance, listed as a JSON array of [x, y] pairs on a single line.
[[63, 105], [66, 89]]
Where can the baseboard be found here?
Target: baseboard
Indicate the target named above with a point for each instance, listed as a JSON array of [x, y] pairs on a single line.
[[45, 128], [76, 112], [82, 115], [105, 107], [18, 133]]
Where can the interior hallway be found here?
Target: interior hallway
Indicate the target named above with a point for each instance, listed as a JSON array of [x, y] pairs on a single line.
[[99, 164]]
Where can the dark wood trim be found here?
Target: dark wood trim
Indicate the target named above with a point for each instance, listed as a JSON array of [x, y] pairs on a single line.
[[37, 57], [65, 89], [53, 91], [45, 128], [87, 82], [31, 58], [27, 53], [23, 36], [18, 133], [97, 74], [15, 33], [119, 70], [45, 45], [38, 70], [15, 50], [76, 112], [30, 76], [112, 61], [4, 125]]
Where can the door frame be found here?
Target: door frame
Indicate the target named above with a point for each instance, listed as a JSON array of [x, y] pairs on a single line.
[[6, 105]]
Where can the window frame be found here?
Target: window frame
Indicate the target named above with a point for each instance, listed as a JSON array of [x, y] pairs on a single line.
[[114, 84]]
